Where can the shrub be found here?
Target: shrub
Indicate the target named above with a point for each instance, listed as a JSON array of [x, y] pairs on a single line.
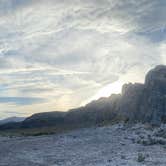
[[141, 157]]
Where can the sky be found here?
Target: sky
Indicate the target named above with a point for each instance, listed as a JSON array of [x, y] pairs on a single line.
[[59, 54]]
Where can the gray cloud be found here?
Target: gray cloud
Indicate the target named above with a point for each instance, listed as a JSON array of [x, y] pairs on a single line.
[[21, 100], [66, 51]]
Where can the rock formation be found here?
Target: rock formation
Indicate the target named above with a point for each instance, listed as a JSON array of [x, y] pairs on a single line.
[[138, 102], [145, 102]]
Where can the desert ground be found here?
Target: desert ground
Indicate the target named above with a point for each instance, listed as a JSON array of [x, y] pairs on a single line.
[[116, 145]]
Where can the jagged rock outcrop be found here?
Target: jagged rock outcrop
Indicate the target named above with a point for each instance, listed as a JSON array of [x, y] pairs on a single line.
[[145, 102], [130, 103], [156, 79], [155, 95], [138, 103]]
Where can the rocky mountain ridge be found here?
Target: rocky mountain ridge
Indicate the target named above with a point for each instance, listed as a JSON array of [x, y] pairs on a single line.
[[144, 103]]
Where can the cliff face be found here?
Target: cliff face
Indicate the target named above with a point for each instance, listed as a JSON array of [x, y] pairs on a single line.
[[130, 103], [145, 102], [155, 96]]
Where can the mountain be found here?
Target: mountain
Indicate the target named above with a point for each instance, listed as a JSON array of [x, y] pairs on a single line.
[[44, 119], [12, 119], [144, 103]]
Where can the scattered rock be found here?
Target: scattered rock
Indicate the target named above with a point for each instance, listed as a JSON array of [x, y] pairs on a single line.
[[141, 157], [123, 157]]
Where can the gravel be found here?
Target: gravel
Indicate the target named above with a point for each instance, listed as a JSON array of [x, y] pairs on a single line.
[[116, 145]]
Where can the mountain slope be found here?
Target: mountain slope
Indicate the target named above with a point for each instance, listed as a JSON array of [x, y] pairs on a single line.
[[12, 119], [44, 119]]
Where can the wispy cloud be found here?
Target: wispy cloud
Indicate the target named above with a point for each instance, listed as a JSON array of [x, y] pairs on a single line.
[[21, 100], [65, 52]]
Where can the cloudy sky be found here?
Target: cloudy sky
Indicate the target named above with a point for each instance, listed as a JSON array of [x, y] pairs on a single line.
[[60, 54]]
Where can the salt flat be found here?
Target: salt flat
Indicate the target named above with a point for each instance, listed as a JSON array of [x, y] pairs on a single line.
[[116, 145]]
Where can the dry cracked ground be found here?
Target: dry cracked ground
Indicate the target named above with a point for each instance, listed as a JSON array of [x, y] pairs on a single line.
[[116, 145]]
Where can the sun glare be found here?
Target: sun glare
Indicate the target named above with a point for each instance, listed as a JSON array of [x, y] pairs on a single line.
[[113, 88]]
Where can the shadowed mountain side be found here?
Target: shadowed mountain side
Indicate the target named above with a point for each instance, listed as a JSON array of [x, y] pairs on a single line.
[[145, 102], [96, 112], [44, 119], [138, 103]]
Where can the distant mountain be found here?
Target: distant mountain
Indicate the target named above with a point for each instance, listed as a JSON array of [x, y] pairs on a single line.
[[12, 119], [144, 103]]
